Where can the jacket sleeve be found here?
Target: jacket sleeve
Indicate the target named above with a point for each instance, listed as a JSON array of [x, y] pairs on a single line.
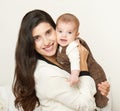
[[97, 74], [73, 55], [57, 88]]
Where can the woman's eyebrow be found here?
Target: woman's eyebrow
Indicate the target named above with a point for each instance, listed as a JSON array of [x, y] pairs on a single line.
[[48, 30], [35, 36]]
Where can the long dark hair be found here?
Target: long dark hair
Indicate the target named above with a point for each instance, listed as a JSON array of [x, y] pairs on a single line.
[[26, 60]]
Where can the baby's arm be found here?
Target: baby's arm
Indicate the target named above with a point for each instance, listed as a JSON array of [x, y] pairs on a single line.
[[74, 58], [74, 77]]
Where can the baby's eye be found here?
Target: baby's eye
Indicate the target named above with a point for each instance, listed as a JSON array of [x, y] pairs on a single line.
[[69, 32], [60, 31]]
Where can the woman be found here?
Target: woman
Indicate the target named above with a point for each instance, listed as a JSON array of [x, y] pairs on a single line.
[[39, 79]]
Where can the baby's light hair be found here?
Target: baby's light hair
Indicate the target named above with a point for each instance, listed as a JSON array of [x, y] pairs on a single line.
[[68, 17]]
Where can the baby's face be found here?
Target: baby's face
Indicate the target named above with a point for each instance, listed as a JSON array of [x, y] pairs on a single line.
[[66, 33]]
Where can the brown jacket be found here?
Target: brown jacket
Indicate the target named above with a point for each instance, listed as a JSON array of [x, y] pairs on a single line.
[[94, 68]]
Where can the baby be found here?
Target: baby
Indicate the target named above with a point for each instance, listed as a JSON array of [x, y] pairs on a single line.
[[67, 26]]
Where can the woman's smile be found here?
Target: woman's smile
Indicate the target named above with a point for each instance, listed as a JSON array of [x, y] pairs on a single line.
[[49, 48]]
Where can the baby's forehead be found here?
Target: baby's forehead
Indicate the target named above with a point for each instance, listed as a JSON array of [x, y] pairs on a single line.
[[63, 24], [69, 23]]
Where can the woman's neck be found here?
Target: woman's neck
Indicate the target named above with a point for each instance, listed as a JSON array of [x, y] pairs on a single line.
[[53, 60]]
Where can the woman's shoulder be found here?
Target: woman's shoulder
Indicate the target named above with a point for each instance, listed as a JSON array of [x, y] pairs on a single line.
[[46, 69], [47, 66]]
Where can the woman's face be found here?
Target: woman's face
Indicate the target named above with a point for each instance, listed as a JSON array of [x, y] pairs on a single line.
[[45, 39]]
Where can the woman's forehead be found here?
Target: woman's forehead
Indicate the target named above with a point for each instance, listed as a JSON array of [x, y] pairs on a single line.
[[41, 28]]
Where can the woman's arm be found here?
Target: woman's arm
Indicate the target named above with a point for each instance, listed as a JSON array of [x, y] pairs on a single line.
[[104, 86], [99, 76], [83, 58], [55, 86], [52, 83]]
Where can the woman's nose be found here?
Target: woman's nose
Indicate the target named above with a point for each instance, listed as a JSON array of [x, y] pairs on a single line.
[[46, 41]]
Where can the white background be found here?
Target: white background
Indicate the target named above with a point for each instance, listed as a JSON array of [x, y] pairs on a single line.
[[100, 27]]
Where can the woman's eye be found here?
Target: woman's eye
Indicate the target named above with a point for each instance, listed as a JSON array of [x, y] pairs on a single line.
[[37, 38], [48, 32]]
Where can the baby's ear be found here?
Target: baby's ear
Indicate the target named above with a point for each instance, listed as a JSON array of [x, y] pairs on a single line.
[[78, 34]]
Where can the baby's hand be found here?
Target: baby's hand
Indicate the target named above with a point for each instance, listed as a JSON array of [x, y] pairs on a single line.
[[74, 79]]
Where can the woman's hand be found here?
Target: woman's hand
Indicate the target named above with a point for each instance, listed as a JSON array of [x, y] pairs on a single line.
[[104, 88], [83, 56]]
